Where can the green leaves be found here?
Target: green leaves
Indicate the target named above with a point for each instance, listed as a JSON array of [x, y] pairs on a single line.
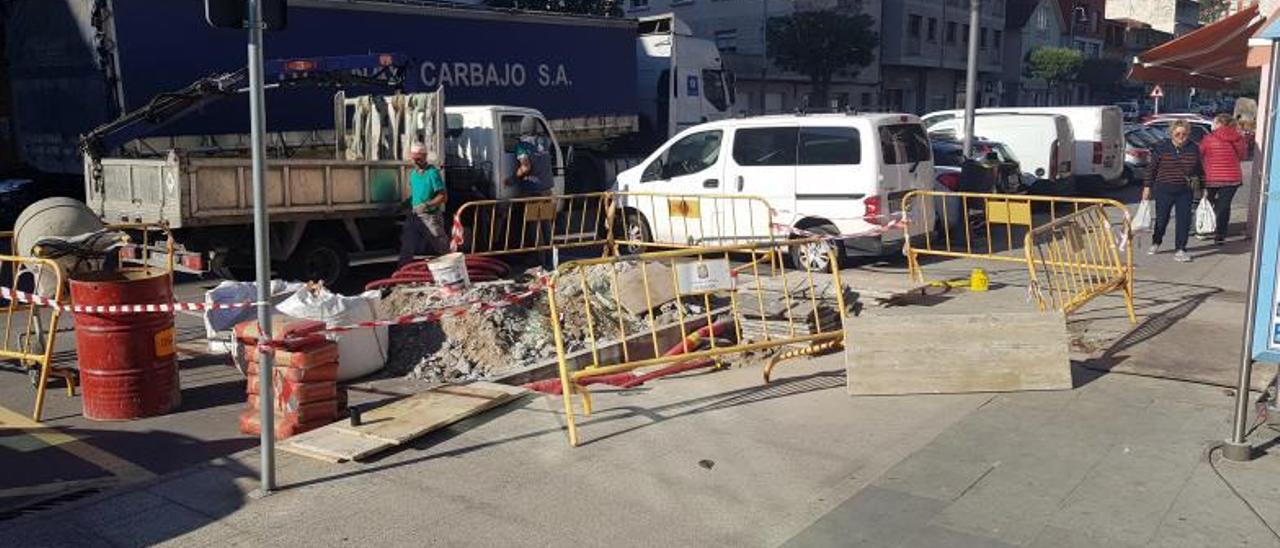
[[1055, 64], [821, 44]]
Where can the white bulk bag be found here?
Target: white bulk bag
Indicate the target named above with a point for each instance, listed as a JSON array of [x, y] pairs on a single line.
[[360, 351]]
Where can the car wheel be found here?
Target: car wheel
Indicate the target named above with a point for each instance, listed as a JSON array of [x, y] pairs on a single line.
[[632, 228], [816, 256], [322, 260]]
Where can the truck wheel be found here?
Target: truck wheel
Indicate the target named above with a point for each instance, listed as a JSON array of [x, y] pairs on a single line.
[[816, 256], [322, 260]]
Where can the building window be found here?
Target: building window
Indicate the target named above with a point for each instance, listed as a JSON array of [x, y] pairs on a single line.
[[727, 40], [1042, 19], [951, 32], [638, 4], [932, 34], [913, 26], [982, 38], [866, 99], [965, 37]]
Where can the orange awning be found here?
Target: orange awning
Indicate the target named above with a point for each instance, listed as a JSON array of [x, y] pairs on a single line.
[[1213, 56]]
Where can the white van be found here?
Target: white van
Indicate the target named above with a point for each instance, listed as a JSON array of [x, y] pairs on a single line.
[[824, 173], [1043, 144], [1098, 132]]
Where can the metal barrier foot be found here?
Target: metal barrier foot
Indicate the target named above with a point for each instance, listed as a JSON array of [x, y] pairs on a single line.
[[806, 351]]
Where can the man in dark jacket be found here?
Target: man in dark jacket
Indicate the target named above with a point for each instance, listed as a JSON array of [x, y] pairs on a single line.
[[1175, 164], [1222, 151]]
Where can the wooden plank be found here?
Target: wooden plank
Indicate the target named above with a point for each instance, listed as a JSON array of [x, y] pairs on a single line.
[[409, 418], [957, 353], [331, 444], [400, 421]]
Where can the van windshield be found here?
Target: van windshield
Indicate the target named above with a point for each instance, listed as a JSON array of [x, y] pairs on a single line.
[[903, 144]]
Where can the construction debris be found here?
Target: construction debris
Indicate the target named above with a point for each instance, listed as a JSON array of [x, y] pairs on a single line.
[[478, 346]]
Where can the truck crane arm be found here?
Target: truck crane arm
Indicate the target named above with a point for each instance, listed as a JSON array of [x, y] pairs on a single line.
[[385, 70]]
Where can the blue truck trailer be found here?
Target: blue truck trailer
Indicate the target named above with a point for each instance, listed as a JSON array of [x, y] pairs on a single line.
[[605, 91], [609, 86]]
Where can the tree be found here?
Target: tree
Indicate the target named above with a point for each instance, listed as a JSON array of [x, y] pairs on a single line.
[[1054, 65], [821, 45], [611, 8], [1213, 10]]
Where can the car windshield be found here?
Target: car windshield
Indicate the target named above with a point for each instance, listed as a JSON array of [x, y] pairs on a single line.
[[1142, 138]]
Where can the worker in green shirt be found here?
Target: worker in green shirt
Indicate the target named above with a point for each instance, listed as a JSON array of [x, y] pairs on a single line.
[[424, 224]]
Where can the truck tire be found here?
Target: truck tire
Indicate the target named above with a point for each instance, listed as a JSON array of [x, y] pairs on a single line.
[[319, 259], [814, 256]]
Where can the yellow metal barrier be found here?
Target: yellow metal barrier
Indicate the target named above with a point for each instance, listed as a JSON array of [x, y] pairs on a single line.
[[1076, 258], [521, 225], [645, 220], [988, 226], [617, 314], [28, 337]]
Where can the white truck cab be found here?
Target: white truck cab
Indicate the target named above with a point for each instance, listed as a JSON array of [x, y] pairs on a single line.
[[482, 140], [835, 174]]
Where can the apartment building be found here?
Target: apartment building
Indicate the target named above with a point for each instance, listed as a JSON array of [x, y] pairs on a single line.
[[1176, 17], [738, 28], [924, 53]]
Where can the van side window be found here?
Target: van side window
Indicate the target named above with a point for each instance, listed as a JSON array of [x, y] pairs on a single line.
[[827, 146], [904, 144], [689, 155], [765, 146]]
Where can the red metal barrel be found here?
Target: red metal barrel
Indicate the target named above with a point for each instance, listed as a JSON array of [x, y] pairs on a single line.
[[127, 361]]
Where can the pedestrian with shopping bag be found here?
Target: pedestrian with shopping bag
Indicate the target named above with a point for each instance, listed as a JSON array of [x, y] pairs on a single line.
[[1222, 151], [1172, 179]]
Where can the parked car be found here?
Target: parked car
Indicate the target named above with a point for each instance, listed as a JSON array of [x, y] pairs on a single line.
[[1005, 176], [1130, 109], [1097, 130], [1138, 141], [824, 173], [1200, 127], [1044, 145]]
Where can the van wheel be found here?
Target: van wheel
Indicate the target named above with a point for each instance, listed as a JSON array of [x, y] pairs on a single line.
[[816, 256], [322, 260], [632, 228]]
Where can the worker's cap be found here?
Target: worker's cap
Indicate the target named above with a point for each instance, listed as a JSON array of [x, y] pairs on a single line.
[[528, 125]]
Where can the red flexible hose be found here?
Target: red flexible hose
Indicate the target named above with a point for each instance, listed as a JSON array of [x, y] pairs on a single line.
[[479, 269], [630, 379]]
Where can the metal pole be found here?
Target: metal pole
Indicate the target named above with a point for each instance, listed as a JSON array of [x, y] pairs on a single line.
[[971, 80], [1238, 448], [262, 251], [764, 48]]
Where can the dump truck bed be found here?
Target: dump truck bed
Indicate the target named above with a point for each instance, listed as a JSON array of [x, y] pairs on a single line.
[[202, 192]]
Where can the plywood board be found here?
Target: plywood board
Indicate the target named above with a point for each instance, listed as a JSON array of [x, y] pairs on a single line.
[[400, 421], [333, 445], [957, 353], [405, 419]]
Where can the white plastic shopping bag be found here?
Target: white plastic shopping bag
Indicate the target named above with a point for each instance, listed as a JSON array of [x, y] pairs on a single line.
[[1206, 220], [1142, 219]]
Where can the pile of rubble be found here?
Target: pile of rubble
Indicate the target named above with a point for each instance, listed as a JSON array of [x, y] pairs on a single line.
[[477, 345]]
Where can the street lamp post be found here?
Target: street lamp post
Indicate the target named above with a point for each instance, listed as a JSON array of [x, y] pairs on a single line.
[[971, 78]]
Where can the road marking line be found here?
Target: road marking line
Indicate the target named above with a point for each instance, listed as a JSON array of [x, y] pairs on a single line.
[[117, 466]]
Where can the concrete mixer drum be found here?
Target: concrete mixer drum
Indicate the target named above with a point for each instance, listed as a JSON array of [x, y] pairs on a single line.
[[52, 217]]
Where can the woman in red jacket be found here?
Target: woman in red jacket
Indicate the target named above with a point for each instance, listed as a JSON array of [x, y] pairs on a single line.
[[1221, 152]]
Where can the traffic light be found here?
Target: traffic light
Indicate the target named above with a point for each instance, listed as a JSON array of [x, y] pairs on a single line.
[[233, 14]]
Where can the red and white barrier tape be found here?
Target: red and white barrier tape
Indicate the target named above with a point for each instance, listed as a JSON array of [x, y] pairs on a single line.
[[39, 300], [896, 222], [456, 236]]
